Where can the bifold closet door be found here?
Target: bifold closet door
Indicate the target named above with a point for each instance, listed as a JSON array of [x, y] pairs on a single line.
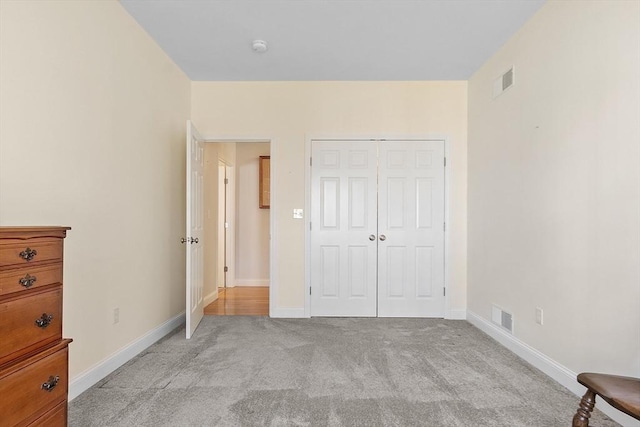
[[343, 228], [377, 228], [411, 229]]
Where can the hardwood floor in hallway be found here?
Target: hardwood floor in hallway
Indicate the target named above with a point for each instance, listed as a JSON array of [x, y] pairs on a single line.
[[240, 301]]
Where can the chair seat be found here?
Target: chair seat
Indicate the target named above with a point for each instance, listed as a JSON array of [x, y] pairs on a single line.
[[623, 393]]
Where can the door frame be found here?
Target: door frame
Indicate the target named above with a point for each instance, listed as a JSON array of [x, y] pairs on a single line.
[[307, 205], [222, 204], [273, 284], [229, 214]]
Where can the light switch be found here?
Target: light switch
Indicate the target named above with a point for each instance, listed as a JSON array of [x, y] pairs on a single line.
[[297, 213]]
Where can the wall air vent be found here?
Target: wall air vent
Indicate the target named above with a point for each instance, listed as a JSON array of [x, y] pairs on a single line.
[[502, 83], [507, 321], [502, 318]]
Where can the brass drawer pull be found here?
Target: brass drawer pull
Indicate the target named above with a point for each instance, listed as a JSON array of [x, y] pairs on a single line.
[[27, 281], [51, 383], [44, 321], [28, 254]]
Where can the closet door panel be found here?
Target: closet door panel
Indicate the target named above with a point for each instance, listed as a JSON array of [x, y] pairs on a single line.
[[411, 229], [343, 217]]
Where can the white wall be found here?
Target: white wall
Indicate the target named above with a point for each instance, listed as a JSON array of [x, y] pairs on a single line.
[[554, 185], [287, 112], [92, 136], [252, 223]]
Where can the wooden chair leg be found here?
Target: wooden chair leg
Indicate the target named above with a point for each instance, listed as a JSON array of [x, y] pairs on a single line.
[[581, 418]]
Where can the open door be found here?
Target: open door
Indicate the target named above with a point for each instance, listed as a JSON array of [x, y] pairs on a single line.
[[193, 241], [221, 279]]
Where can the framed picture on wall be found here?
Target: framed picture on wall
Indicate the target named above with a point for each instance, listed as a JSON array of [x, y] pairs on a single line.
[[263, 189]]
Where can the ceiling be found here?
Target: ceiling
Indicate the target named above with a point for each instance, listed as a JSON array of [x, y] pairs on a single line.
[[331, 39]]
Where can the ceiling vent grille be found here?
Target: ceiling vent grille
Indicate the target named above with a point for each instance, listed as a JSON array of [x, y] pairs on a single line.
[[502, 83]]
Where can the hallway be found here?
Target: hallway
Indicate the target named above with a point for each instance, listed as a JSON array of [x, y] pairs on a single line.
[[240, 301]]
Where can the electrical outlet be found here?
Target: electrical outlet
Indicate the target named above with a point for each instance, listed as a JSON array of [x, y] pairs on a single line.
[[116, 315], [539, 316]]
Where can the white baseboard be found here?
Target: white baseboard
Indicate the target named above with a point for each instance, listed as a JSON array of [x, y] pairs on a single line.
[[91, 376], [457, 315], [208, 299], [288, 312], [252, 282], [553, 369]]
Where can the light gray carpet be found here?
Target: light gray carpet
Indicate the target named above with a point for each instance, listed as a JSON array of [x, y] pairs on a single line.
[[256, 371]]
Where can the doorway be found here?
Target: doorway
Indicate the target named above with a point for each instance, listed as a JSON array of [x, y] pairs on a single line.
[[237, 254], [377, 228]]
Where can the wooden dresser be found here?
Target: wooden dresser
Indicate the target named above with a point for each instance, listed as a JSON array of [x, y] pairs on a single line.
[[33, 354]]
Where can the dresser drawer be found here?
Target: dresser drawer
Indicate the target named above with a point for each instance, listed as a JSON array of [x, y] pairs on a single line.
[[57, 417], [30, 251], [36, 388], [29, 322], [29, 277]]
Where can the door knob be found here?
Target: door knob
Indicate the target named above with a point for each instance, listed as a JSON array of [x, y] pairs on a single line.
[[183, 240], [372, 237], [383, 237], [194, 240]]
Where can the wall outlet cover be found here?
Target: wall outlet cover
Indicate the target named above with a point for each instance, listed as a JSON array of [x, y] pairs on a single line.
[[539, 316]]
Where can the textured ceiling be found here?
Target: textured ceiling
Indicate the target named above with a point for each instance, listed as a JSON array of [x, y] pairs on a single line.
[[331, 39]]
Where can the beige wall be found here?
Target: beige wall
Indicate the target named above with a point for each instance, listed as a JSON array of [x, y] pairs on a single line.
[[554, 185], [92, 128], [288, 112], [252, 223]]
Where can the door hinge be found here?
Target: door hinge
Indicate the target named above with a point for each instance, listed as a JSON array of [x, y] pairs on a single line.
[[310, 226], [444, 226], [226, 269], [310, 161], [226, 180], [444, 292], [309, 290], [445, 161]]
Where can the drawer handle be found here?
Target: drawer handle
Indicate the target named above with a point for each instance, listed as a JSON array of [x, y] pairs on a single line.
[[44, 321], [27, 281], [51, 383], [28, 254]]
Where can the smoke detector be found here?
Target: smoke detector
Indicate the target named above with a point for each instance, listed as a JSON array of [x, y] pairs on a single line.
[[259, 46]]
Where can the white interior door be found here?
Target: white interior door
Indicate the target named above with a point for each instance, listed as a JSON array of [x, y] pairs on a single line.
[[411, 229], [194, 243], [221, 280], [377, 228], [343, 229], [230, 234]]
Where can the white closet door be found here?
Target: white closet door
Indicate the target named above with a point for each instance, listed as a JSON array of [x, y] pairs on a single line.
[[411, 229], [343, 233]]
